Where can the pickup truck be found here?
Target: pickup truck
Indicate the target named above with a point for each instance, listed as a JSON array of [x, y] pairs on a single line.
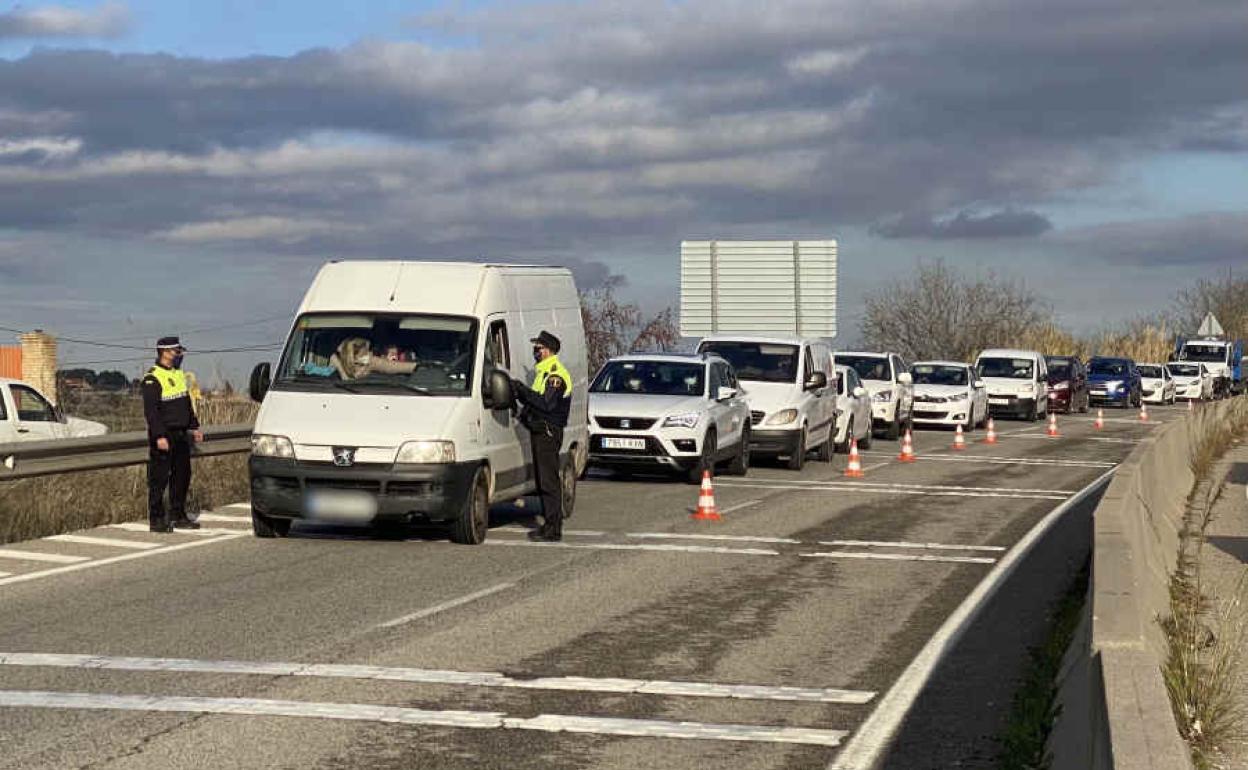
[[27, 415]]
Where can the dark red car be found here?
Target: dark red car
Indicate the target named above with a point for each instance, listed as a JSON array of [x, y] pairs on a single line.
[[1068, 384]]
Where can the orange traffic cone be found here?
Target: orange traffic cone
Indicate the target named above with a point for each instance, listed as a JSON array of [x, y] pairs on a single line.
[[991, 438], [706, 510], [1052, 431], [1100, 419], [1143, 412], [907, 449], [854, 469], [959, 440]]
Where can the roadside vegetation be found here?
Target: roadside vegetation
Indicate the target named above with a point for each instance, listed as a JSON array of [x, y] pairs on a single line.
[[1205, 633]]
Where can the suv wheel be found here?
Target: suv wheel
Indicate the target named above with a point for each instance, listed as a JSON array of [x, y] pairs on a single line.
[[706, 462], [827, 448], [798, 459], [268, 526], [741, 462], [893, 432], [843, 447], [474, 517]]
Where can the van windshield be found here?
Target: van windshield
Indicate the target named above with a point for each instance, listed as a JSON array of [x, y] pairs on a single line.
[[1107, 368], [757, 361], [1210, 354], [424, 355], [1009, 368], [867, 367], [1184, 370], [651, 378]]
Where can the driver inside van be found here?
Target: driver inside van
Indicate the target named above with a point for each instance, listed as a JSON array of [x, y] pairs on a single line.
[[354, 359]]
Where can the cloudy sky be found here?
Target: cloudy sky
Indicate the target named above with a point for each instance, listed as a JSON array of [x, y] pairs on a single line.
[[187, 166]]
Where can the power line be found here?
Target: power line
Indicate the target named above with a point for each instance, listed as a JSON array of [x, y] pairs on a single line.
[[109, 343], [254, 349]]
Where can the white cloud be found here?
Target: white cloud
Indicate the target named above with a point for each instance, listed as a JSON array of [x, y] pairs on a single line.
[[107, 20]]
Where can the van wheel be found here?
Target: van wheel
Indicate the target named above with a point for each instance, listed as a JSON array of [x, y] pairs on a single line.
[[269, 526], [741, 462], [849, 437], [567, 482], [706, 463], [798, 459], [893, 432], [474, 518], [865, 444]]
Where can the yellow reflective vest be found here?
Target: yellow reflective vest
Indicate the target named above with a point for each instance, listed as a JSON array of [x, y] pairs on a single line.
[[172, 383], [547, 367]]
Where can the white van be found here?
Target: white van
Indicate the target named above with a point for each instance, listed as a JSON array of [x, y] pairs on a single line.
[[389, 406], [790, 386], [27, 415], [1017, 382]]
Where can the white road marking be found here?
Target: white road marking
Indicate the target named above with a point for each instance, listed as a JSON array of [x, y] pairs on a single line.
[[991, 460], [898, 485], [875, 467], [843, 487], [1100, 439], [55, 558], [727, 538], [238, 507], [875, 734], [91, 564], [898, 557], [903, 544], [134, 526], [740, 506], [411, 716], [639, 547], [220, 517], [439, 677], [115, 542], [5, 574], [447, 605], [573, 532]]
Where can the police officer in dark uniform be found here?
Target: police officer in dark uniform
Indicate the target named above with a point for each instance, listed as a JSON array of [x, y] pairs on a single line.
[[171, 427], [545, 413]]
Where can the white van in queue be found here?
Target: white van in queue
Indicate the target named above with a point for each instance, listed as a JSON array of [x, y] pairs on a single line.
[[1017, 382], [790, 385], [390, 403], [27, 415]]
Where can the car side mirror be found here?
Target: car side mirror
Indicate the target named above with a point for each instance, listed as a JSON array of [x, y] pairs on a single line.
[[725, 393], [980, 385], [905, 378], [497, 393], [261, 378], [860, 392], [816, 381]]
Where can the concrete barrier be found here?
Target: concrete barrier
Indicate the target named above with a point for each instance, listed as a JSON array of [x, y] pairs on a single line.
[[1115, 712]]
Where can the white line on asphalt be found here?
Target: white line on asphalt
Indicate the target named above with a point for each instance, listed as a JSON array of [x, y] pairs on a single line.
[[56, 558], [134, 526], [898, 557], [5, 574], [898, 485], [835, 487], [1011, 460], [439, 677], [867, 745], [114, 559], [639, 547], [221, 517], [903, 544], [115, 542], [410, 716], [1099, 439], [239, 507], [740, 506], [573, 532], [728, 538], [453, 603], [875, 467]]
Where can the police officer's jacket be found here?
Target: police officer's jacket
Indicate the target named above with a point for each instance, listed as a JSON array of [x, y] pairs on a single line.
[[548, 402], [167, 402]]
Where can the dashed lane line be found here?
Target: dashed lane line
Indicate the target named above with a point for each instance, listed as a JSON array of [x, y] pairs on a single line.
[[898, 485], [903, 544], [725, 538], [846, 487], [995, 460], [93, 563], [134, 526], [447, 605], [112, 542], [440, 677], [1098, 439], [55, 558], [358, 712], [877, 555], [697, 549]]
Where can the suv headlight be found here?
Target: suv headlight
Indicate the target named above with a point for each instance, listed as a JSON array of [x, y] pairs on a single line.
[[883, 395], [687, 420], [426, 452], [264, 445], [782, 417], [1115, 385]]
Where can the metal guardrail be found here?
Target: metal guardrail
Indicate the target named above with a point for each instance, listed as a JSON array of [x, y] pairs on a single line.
[[28, 459]]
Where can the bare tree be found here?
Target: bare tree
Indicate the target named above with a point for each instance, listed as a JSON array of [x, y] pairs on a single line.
[[1225, 298], [614, 327], [941, 313]]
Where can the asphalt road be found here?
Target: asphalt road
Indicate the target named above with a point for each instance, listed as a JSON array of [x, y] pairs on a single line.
[[638, 643]]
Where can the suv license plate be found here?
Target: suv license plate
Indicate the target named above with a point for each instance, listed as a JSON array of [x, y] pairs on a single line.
[[340, 505], [623, 443], [999, 401]]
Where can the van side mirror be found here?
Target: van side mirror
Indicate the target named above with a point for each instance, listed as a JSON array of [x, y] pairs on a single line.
[[905, 378], [725, 393], [980, 385], [261, 378], [816, 381], [860, 392], [497, 393]]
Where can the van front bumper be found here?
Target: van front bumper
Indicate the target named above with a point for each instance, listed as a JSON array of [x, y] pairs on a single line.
[[280, 487], [1010, 404], [775, 442]]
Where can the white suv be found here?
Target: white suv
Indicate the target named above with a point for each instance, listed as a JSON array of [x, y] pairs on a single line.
[[888, 380], [684, 413], [26, 415]]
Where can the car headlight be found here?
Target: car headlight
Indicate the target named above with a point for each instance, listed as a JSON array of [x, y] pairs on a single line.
[[687, 420], [883, 395], [264, 445], [1023, 390], [1116, 385], [782, 417], [426, 452]]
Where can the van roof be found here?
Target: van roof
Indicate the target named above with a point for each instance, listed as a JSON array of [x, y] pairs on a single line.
[[862, 353], [763, 340], [681, 358], [940, 363], [1009, 353]]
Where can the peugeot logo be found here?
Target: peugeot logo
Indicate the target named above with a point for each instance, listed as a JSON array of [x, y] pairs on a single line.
[[344, 456], [626, 423]]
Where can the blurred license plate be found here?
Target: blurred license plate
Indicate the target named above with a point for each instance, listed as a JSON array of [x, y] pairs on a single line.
[[1098, 392], [998, 401], [340, 505], [623, 443]]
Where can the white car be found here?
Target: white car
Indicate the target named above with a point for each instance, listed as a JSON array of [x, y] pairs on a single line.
[[792, 401], [853, 410], [26, 415], [887, 378], [683, 413], [1192, 381], [949, 393], [1017, 382], [1156, 384]]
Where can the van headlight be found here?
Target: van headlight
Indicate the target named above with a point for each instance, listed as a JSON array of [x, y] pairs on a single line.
[[264, 445], [782, 417], [686, 420], [426, 452], [883, 395]]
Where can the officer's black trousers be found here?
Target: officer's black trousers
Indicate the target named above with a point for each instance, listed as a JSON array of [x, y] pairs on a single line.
[[546, 443], [170, 469]]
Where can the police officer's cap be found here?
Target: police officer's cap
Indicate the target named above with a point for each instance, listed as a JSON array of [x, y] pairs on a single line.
[[548, 340], [169, 343]]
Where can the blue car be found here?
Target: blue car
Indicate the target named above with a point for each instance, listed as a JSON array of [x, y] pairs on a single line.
[[1114, 382]]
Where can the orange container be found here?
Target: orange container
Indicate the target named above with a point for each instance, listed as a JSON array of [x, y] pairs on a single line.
[[11, 362]]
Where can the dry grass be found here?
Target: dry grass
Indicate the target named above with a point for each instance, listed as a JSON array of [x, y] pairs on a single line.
[[38, 507]]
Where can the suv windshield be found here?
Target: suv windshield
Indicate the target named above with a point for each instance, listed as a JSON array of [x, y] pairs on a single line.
[[867, 367], [1184, 370], [380, 352], [1213, 354], [1108, 368], [1059, 368], [1151, 371], [933, 374], [1010, 368], [653, 378], [758, 361]]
